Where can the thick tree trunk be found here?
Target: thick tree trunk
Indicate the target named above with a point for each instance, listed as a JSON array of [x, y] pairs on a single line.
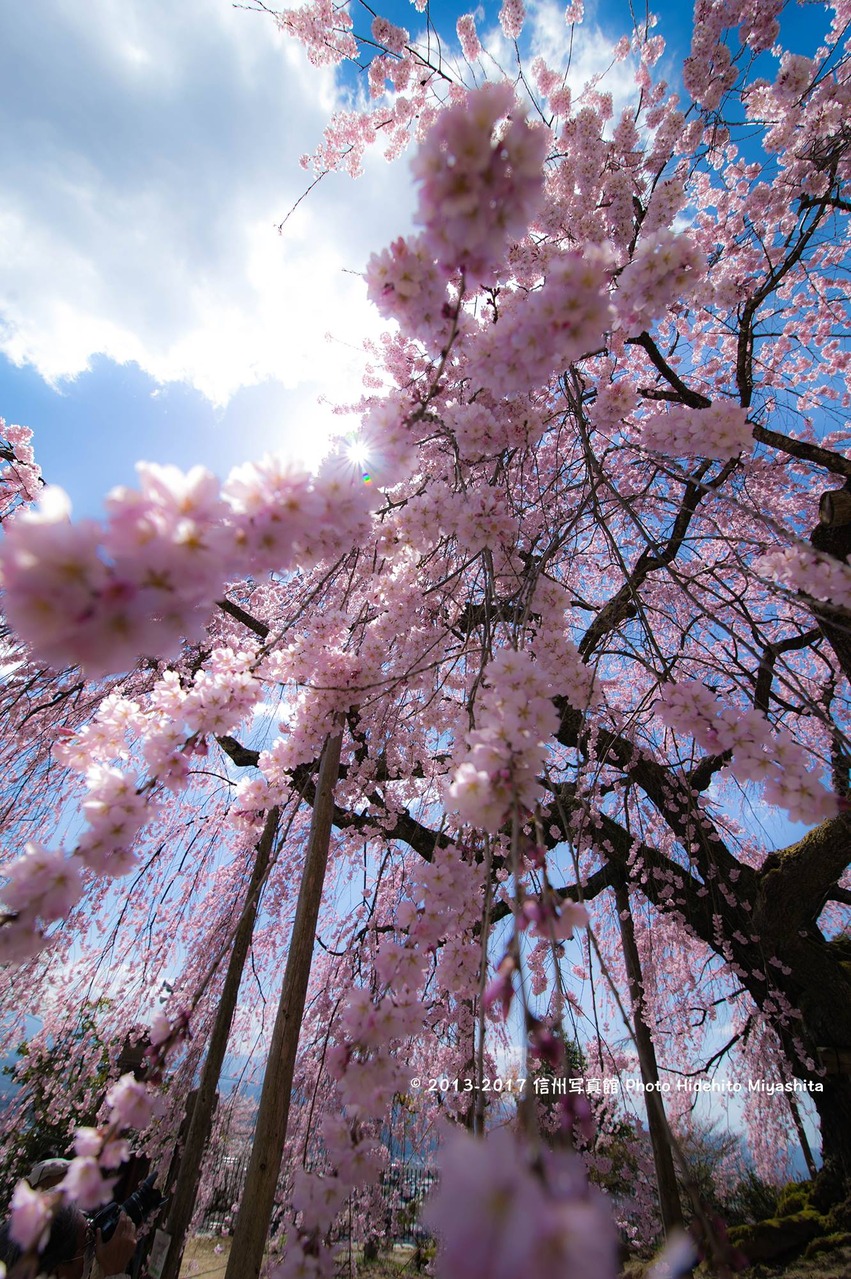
[[815, 978], [258, 1199], [189, 1168], [823, 990], [657, 1123]]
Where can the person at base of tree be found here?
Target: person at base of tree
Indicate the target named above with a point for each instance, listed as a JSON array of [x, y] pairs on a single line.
[[48, 1173], [73, 1251]]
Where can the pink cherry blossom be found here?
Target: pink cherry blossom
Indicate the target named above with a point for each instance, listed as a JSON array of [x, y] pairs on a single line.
[[29, 1217]]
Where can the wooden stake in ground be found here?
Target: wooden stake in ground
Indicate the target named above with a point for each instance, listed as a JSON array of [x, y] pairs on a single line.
[[663, 1159], [191, 1160], [258, 1199]]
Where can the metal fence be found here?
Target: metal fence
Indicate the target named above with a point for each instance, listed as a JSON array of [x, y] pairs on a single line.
[[229, 1178], [403, 1188]]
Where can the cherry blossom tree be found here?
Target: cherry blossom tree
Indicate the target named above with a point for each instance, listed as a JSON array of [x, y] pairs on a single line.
[[571, 596]]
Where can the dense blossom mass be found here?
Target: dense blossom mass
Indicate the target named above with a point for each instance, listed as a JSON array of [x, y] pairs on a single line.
[[572, 599]]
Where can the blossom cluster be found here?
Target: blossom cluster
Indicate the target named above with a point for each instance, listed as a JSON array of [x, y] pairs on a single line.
[[391, 37], [538, 333], [759, 753], [444, 903], [468, 37], [557, 658], [480, 185], [368, 1060], [515, 717], [404, 284], [41, 886], [800, 568], [485, 426], [502, 1210], [20, 475], [720, 431], [665, 267], [99, 596], [318, 1197], [102, 596]]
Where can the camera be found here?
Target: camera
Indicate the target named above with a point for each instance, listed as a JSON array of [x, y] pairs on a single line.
[[143, 1201]]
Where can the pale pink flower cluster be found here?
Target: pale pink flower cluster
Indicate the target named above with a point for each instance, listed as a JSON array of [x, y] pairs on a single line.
[[720, 431], [104, 737], [77, 593], [353, 1154], [794, 77], [115, 811], [130, 1106], [367, 1070], [759, 753], [512, 15], [550, 920], [480, 184], [85, 1183], [335, 679], [160, 1030], [130, 1103], [282, 514], [708, 71], [170, 728], [800, 568], [324, 28], [30, 1216], [41, 884], [500, 1212], [369, 1059], [318, 1198], [484, 426], [515, 718], [393, 39], [444, 906], [444, 903], [540, 332], [111, 1151], [101, 596], [20, 476], [224, 693], [384, 448], [480, 517], [557, 657], [44, 886], [665, 268], [547, 80], [467, 34], [405, 285]]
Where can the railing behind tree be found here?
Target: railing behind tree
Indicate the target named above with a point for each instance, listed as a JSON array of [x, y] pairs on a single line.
[[403, 1188]]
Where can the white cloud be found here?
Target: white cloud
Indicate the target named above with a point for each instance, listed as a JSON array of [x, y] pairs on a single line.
[[148, 151]]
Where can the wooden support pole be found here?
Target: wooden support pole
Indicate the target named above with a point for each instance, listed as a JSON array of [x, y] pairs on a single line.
[[264, 1167], [198, 1134], [663, 1159]]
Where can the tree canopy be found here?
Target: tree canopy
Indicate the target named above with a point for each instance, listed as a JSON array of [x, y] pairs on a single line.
[[571, 597]]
